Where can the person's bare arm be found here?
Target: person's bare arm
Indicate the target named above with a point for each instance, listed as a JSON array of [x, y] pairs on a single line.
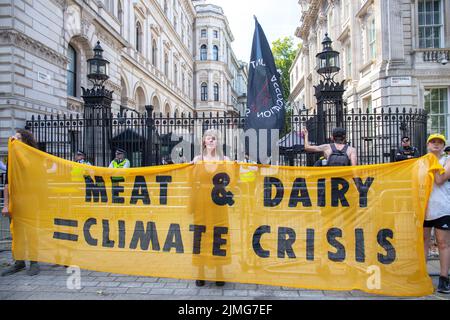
[[5, 209], [353, 157], [196, 159], [310, 148]]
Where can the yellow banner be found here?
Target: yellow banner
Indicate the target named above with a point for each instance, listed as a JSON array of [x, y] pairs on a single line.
[[319, 228]]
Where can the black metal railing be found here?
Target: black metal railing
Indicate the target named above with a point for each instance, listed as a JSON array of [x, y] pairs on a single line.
[[152, 139]]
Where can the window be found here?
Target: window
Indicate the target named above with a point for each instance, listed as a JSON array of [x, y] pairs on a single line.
[[166, 64], [345, 9], [166, 8], [109, 5], [138, 37], [72, 72], [348, 52], [203, 52], [371, 40], [120, 15], [154, 52], [368, 125], [430, 23], [203, 33], [175, 23], [189, 87], [216, 92], [204, 92], [183, 82], [436, 104], [216, 34], [175, 74], [215, 53]]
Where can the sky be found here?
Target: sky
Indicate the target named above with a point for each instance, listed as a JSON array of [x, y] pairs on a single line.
[[278, 18]]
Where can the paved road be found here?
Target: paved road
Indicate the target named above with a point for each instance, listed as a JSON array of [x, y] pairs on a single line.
[[51, 283]]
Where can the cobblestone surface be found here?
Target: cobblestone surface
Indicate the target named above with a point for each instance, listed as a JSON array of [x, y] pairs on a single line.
[[51, 283]]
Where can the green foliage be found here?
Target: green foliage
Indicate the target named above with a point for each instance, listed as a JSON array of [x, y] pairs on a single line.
[[284, 53]]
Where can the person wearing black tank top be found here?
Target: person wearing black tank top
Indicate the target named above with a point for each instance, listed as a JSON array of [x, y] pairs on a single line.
[[337, 153]]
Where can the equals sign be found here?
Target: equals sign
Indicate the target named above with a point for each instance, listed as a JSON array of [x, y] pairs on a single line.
[[63, 235]]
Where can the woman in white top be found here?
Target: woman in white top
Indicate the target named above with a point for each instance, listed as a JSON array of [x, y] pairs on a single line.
[[438, 212], [204, 214], [210, 151]]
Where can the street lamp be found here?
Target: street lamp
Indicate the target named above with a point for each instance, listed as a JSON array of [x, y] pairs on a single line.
[[327, 60], [328, 92], [97, 110], [98, 67]]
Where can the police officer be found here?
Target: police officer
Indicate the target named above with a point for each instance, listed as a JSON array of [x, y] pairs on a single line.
[[406, 151], [80, 157], [120, 161]]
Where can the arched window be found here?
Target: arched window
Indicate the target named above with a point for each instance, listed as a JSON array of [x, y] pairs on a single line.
[[204, 92], [166, 64], [203, 52], [216, 92], [154, 52], [72, 72], [140, 99], [215, 53], [138, 37]]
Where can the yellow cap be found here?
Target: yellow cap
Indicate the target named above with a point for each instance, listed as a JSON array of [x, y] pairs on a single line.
[[436, 136]]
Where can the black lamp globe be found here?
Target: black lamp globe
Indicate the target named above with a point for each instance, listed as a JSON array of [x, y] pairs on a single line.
[[98, 67], [328, 59]]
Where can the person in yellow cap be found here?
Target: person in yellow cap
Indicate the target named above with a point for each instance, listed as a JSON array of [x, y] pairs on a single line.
[[438, 212]]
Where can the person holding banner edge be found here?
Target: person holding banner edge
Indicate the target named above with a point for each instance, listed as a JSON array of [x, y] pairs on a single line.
[[438, 212], [210, 152], [26, 137]]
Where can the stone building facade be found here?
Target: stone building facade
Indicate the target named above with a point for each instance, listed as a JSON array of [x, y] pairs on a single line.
[[152, 46], [392, 54]]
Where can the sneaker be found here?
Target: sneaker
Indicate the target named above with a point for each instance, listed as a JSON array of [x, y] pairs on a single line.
[[34, 269], [16, 267], [199, 283], [444, 285], [220, 283]]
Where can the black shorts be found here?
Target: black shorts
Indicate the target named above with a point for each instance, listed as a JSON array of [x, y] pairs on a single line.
[[443, 223]]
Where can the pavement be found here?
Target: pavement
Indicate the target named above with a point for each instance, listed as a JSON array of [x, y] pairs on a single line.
[[51, 284]]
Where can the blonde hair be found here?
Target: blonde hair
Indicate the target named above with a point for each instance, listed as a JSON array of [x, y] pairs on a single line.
[[216, 134]]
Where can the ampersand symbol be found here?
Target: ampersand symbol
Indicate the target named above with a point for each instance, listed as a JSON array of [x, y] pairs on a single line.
[[219, 195]]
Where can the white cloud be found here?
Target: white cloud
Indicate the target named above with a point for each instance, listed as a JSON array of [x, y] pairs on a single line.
[[278, 18]]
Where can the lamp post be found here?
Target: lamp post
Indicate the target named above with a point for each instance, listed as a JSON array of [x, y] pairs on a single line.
[[97, 109], [328, 92]]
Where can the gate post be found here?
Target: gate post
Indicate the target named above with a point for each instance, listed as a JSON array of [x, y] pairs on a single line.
[[149, 146]]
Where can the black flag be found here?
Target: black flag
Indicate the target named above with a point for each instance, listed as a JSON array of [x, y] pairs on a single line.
[[265, 104]]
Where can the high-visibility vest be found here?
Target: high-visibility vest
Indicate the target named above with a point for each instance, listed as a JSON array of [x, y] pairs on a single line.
[[247, 173], [119, 164]]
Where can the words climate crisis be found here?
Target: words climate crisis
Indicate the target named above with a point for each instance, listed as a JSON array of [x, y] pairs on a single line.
[[148, 235]]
